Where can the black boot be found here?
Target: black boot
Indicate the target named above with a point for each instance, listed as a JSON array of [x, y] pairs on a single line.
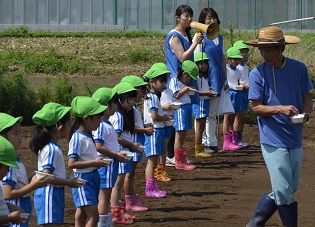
[[265, 209], [288, 214]]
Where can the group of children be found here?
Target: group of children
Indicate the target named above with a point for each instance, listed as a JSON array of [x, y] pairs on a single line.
[[106, 124]]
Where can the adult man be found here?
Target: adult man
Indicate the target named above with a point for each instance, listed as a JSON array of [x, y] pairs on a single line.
[[279, 88]]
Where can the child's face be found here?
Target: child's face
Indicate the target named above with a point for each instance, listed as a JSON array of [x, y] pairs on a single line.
[[186, 78], [210, 19], [157, 86], [203, 66], [63, 130], [3, 170], [14, 135], [112, 107], [234, 62], [140, 94], [245, 54], [92, 122], [129, 103]]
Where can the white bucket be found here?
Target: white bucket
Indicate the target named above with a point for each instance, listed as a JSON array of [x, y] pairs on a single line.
[[105, 221]]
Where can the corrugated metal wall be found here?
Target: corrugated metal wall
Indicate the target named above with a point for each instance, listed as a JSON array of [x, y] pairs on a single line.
[[155, 14]]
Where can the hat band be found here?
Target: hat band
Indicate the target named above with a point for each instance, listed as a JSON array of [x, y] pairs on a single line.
[[269, 40]]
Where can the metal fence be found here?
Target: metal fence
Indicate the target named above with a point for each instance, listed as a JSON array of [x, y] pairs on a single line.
[[155, 14]]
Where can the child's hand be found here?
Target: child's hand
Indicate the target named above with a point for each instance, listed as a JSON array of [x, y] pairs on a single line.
[[212, 93], [39, 182], [15, 217], [73, 183], [168, 106], [135, 147], [99, 162], [149, 131], [149, 125], [122, 157], [191, 89]]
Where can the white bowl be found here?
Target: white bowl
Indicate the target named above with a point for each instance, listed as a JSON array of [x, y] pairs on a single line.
[[128, 153], [108, 161], [24, 216], [190, 92], [169, 123], [239, 87], [40, 174], [176, 105], [81, 181], [298, 118], [141, 147]]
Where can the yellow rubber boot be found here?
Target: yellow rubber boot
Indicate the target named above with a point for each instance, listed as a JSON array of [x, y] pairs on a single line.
[[200, 151], [158, 173]]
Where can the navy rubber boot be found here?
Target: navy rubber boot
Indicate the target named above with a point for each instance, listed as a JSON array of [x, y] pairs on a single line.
[[288, 214], [265, 209]]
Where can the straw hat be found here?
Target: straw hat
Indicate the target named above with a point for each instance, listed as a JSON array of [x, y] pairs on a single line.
[[272, 36]]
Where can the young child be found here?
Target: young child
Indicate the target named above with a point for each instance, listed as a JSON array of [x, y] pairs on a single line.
[[83, 158], [183, 116], [16, 186], [132, 199], [53, 123], [201, 110], [240, 119], [107, 146], [233, 78], [157, 77], [8, 159], [167, 104], [123, 122]]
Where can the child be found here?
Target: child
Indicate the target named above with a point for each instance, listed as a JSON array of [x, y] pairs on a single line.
[[83, 158], [16, 186], [123, 122], [53, 122], [7, 159], [166, 101], [107, 146], [233, 77], [201, 110], [183, 116], [132, 199], [157, 77], [240, 118]]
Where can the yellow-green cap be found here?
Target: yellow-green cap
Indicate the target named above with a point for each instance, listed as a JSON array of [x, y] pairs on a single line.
[[239, 44], [191, 68], [200, 56], [86, 106], [7, 121], [134, 80], [233, 52], [7, 153], [157, 69], [103, 95], [50, 114], [124, 87]]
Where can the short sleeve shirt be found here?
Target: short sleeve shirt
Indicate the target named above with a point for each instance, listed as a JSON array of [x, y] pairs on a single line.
[[149, 105], [176, 85]]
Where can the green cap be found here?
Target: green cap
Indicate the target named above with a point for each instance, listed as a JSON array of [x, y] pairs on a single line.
[[7, 153], [240, 45], [124, 87], [7, 121], [233, 52], [50, 114], [134, 81], [86, 106], [191, 68], [156, 70], [103, 95], [200, 56]]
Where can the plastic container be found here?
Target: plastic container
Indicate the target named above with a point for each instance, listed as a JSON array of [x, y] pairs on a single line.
[[298, 118], [239, 87], [177, 105], [128, 153]]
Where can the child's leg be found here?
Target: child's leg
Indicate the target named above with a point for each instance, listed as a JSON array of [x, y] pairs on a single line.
[[200, 127], [128, 181], [104, 201], [228, 122], [179, 139], [116, 192], [92, 215], [151, 164], [237, 125], [80, 217]]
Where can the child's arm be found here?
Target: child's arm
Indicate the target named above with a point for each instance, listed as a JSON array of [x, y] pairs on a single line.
[[123, 142], [75, 163], [148, 131], [168, 106], [181, 92], [14, 217], [109, 153], [209, 93], [156, 117]]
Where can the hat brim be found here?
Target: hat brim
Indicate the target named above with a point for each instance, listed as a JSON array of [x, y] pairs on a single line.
[[10, 163], [12, 122], [288, 39]]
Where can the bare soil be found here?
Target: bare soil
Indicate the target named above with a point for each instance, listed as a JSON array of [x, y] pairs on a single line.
[[222, 191]]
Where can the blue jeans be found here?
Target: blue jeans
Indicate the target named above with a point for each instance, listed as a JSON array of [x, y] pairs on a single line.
[[284, 166]]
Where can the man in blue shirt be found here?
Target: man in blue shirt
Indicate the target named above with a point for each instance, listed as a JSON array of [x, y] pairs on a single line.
[[279, 89]]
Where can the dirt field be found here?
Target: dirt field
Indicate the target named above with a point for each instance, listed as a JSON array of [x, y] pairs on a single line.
[[222, 191]]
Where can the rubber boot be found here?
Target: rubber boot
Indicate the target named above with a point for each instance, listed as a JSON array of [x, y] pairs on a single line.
[[181, 161], [200, 151], [164, 173], [266, 207], [289, 214], [105, 220], [133, 203], [122, 205], [239, 141], [118, 217], [227, 142], [158, 173], [152, 191]]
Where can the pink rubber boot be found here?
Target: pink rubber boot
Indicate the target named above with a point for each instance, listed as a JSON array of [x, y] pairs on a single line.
[[181, 161], [228, 144], [133, 203], [152, 191]]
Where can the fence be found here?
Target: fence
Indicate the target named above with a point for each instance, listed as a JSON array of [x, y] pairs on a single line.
[[154, 14]]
